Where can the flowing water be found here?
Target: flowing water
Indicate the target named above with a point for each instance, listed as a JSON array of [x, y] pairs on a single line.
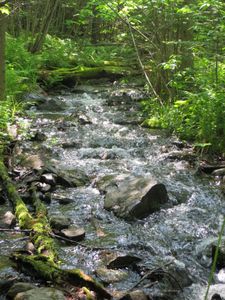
[[113, 144]]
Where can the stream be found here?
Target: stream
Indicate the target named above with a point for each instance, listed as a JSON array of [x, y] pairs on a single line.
[[95, 129]]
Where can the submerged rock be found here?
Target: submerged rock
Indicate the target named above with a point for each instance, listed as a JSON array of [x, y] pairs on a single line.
[[132, 197]]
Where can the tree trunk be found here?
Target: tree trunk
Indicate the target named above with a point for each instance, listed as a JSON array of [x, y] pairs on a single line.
[[45, 26], [2, 55]]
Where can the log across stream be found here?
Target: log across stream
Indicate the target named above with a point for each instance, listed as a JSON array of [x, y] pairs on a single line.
[[101, 194]]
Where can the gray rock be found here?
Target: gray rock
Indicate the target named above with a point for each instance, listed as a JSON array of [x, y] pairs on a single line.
[[111, 276], [48, 178], [43, 187], [59, 222], [183, 155], [71, 178], [9, 219], [118, 260], [123, 261], [41, 294], [73, 233], [19, 287], [132, 197], [135, 295]]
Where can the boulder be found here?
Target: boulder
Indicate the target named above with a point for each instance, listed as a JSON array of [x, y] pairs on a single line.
[[41, 294], [132, 197], [19, 287]]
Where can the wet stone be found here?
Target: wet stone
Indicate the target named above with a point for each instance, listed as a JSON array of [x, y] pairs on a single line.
[[49, 179], [41, 294], [63, 200], [120, 260], [73, 233], [19, 287], [71, 178], [44, 187], [59, 222], [111, 276], [183, 155], [8, 220], [132, 197], [135, 295]]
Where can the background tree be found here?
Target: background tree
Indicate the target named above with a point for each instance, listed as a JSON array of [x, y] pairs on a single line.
[[3, 13]]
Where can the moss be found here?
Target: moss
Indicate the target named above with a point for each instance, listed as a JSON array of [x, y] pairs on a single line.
[[88, 294], [69, 75], [41, 267]]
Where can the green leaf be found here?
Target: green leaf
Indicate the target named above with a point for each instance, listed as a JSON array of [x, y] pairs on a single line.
[[4, 10]]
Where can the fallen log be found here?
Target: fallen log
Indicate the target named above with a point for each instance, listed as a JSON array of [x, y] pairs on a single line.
[[42, 268], [70, 76]]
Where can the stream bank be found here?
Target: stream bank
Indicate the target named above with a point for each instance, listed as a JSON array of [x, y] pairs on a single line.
[[87, 144]]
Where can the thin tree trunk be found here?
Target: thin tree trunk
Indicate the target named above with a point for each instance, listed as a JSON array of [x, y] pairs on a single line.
[[45, 26], [2, 55]]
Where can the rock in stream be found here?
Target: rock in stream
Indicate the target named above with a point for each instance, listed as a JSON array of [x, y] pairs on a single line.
[[131, 197]]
